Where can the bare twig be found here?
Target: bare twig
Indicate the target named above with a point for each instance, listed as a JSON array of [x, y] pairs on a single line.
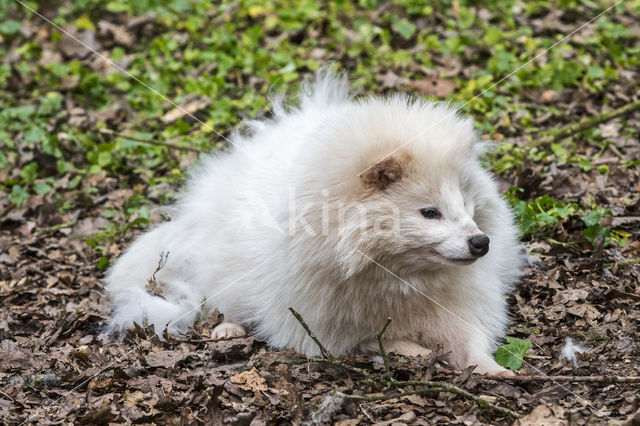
[[555, 135], [7, 396], [151, 141], [38, 380], [623, 263], [574, 379], [385, 357], [370, 398], [6, 211], [194, 341], [164, 256], [368, 378], [154, 287], [447, 387], [325, 353], [57, 227], [434, 387], [536, 356], [387, 380]]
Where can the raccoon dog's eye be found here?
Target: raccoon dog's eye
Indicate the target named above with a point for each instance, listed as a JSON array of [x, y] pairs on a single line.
[[431, 213]]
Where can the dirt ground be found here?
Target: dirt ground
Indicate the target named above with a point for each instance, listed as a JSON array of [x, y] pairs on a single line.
[[55, 368]]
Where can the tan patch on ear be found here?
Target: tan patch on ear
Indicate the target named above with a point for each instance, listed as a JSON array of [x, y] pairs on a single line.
[[382, 174]]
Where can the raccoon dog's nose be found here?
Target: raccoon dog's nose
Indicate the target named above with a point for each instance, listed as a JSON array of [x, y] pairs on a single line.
[[479, 245]]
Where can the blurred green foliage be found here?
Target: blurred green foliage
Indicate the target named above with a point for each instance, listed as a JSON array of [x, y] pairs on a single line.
[[239, 53]]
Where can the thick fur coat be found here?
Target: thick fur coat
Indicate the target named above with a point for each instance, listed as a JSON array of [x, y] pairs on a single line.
[[348, 210]]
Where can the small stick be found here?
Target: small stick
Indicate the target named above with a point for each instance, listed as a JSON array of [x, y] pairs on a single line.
[[447, 387], [57, 227], [385, 357], [439, 387], [575, 379], [368, 378], [370, 398], [325, 353], [44, 380], [428, 386], [195, 341], [348, 367], [623, 263], [164, 256], [563, 132], [7, 210], [536, 356], [7, 396], [150, 141]]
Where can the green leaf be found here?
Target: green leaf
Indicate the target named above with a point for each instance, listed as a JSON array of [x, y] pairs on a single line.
[[597, 235], [585, 165], [403, 27], [562, 211], [595, 72], [29, 173], [41, 188], [84, 23], [103, 262], [594, 216], [512, 353], [18, 195], [73, 183], [104, 159], [50, 103], [144, 212], [11, 27]]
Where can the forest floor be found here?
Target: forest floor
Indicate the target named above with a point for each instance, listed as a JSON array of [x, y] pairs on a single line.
[[78, 182]]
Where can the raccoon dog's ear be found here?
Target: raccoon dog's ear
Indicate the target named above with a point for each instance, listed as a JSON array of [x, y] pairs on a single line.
[[382, 174]]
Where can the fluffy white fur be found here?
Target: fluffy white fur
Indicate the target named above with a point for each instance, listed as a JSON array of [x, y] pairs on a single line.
[[285, 218], [570, 351]]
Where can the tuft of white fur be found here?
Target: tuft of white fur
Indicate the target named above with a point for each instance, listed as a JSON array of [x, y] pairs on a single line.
[[332, 405], [570, 351], [285, 219]]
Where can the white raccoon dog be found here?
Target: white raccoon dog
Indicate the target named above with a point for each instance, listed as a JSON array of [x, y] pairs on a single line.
[[348, 210]]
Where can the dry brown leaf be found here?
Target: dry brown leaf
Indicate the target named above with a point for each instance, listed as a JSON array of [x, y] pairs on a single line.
[[584, 310], [81, 352], [391, 80], [250, 380], [548, 96], [543, 415], [188, 108], [439, 87], [350, 422], [119, 33], [78, 44], [165, 359], [130, 399], [405, 418]]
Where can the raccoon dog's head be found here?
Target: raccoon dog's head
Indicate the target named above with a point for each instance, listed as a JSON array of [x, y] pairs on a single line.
[[422, 218], [422, 196]]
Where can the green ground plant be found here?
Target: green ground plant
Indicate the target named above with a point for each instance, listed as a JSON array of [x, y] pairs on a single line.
[[238, 54]]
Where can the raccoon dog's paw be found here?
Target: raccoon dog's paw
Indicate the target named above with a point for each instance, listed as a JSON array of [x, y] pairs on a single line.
[[228, 330]]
